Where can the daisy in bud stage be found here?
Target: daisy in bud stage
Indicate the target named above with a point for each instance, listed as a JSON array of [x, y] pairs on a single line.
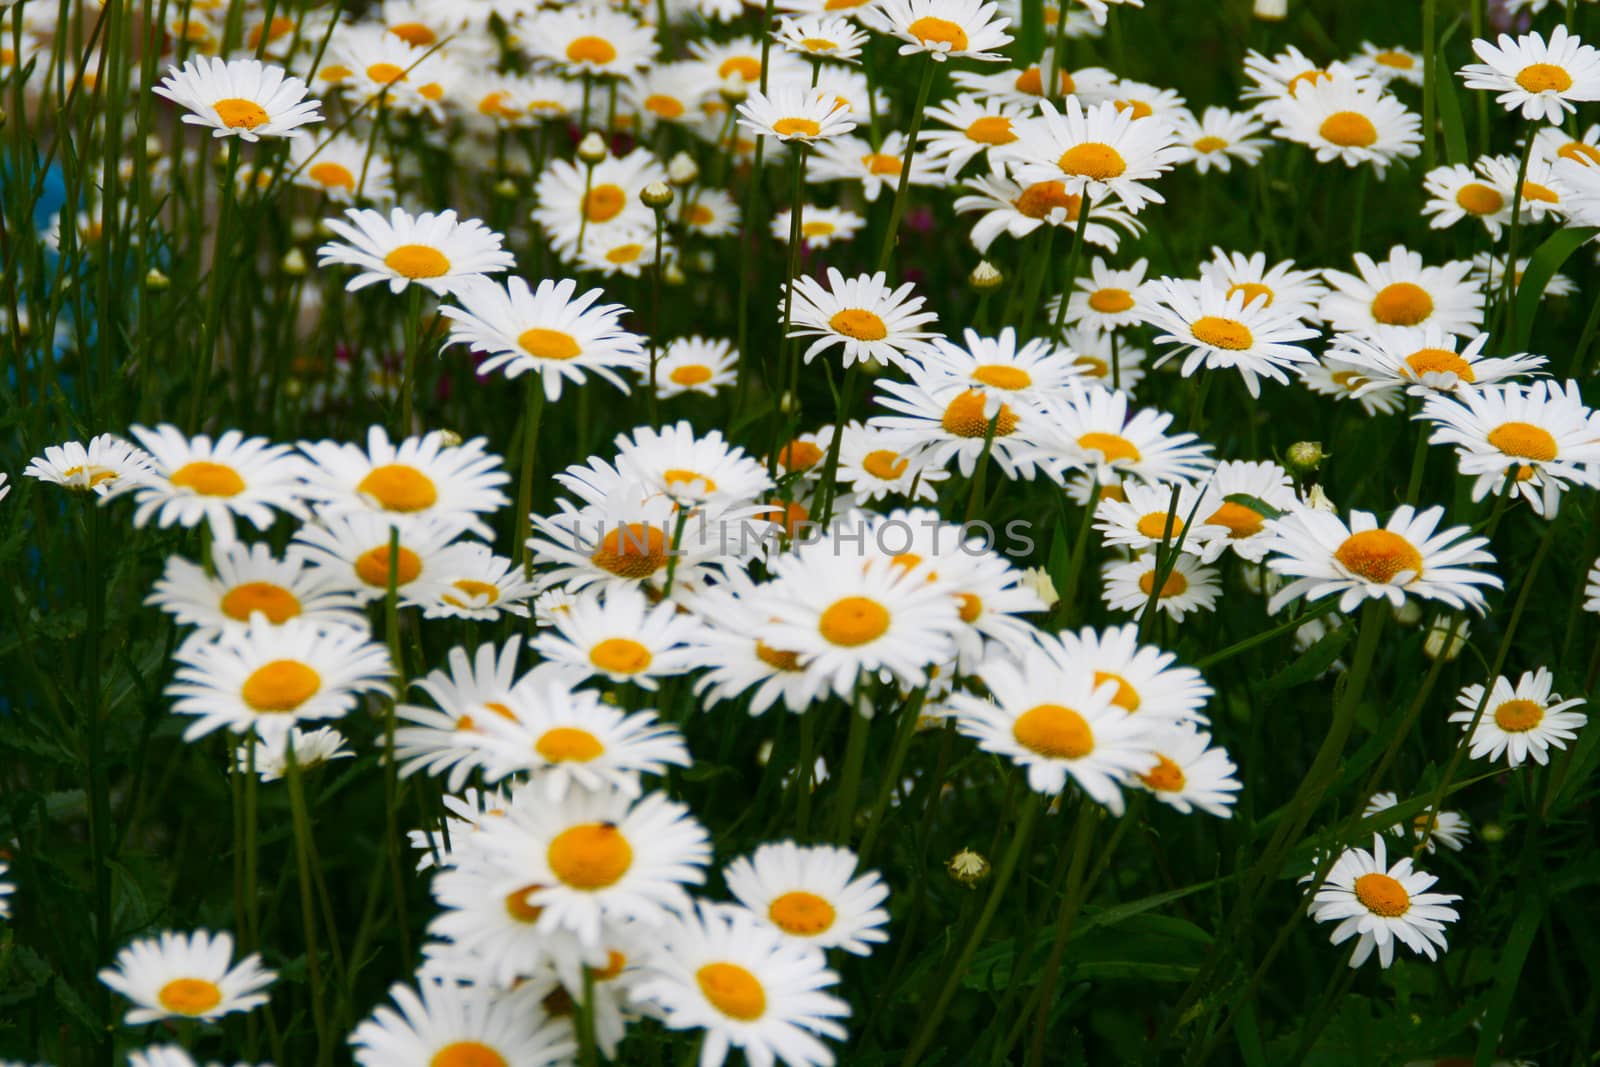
[[1097, 152], [1091, 430], [1408, 556], [1447, 828], [456, 1025], [1049, 717], [241, 98], [272, 677], [438, 252], [354, 551], [186, 976], [244, 581], [694, 365], [191, 480], [1518, 721], [312, 748], [97, 467], [546, 330], [1401, 291], [795, 113], [1382, 904], [1218, 138], [813, 895], [1427, 361], [866, 317], [1218, 330], [1187, 588], [747, 985], [621, 636], [1105, 300], [944, 29], [1541, 436], [972, 126], [1189, 774], [1458, 192], [1541, 79], [1148, 681], [600, 857], [422, 478], [819, 226], [1349, 120]]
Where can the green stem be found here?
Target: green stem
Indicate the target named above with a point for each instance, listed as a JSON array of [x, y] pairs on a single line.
[[855, 754], [655, 333], [533, 412], [1082, 837], [1430, 85], [1075, 253], [899, 207], [408, 370], [796, 217], [1508, 296], [308, 915], [905, 730], [391, 782], [205, 354], [802, 774]]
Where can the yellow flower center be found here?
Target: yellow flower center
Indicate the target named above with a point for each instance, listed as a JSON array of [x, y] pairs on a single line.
[[1054, 731], [690, 374], [1349, 129], [373, 566], [1240, 520], [1140, 109], [569, 744], [1579, 152], [1175, 585], [991, 129], [590, 49], [386, 73], [819, 228], [1252, 291], [819, 44], [860, 324], [933, 31], [1402, 304], [1092, 160], [467, 1054], [604, 202], [884, 464], [964, 417], [1475, 198], [1217, 332], [1165, 776], [1031, 81], [777, 658], [96, 476], [1127, 697], [853, 621], [477, 594], [801, 914], [799, 455], [1397, 60], [667, 107], [1518, 716], [1208, 144], [1439, 361], [590, 855], [969, 606], [632, 551], [1525, 441], [1002, 376], [274, 30], [548, 344], [398, 487], [189, 996], [625, 253], [1544, 78], [732, 990], [796, 127], [1307, 77], [280, 686], [1542, 193], [878, 163], [274, 601], [1382, 895], [332, 175], [1111, 301], [417, 261], [1379, 555], [208, 479], [747, 67], [414, 34], [1041, 198], [237, 113], [1111, 446], [620, 655], [1154, 525]]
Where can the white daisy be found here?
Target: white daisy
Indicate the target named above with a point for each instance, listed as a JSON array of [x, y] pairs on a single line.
[[343, 168], [1188, 587], [424, 477], [355, 552], [186, 976], [1402, 292], [107, 459], [620, 635], [241, 98], [455, 1025], [1106, 299], [813, 895], [820, 36], [866, 317], [244, 581], [1217, 330], [1148, 681], [1218, 137], [1382, 904], [694, 365], [1542, 79], [1092, 430], [1389, 64], [1097, 151], [1009, 207], [312, 748], [1281, 287], [819, 226], [1189, 774], [1449, 828], [795, 113], [1353, 121], [973, 126], [1235, 525], [1457, 192], [1521, 720], [436, 251], [944, 29], [871, 468], [1426, 360]]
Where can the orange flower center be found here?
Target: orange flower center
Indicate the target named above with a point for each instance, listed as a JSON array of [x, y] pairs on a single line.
[[1402, 304], [732, 990], [853, 621], [884, 464], [632, 551], [964, 417], [1349, 129], [417, 261], [1054, 731], [1093, 160], [1165, 776], [595, 50], [1379, 555], [934, 31], [280, 686], [1525, 441], [1518, 716], [1544, 78], [1478, 199], [590, 856], [1382, 895], [240, 114], [189, 996], [1439, 361], [208, 479], [860, 324], [274, 601], [569, 744], [604, 202], [991, 129], [548, 344], [374, 565], [801, 914]]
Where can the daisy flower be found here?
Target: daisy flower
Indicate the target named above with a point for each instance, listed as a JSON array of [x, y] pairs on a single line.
[[673, 462], [1553, 144], [1283, 76], [795, 113], [1026, 85], [737, 660], [847, 611], [1409, 555], [939, 419], [742, 56], [1352, 121], [1097, 151], [437, 252], [1105, 300], [271, 677], [1048, 716], [820, 36], [1104, 359], [1521, 720], [1388, 64], [488, 929], [1189, 774], [466, 693], [244, 581], [589, 41], [1218, 137], [422, 478], [1542, 79], [1449, 828], [1382, 904], [1280, 287], [871, 469], [1489, 272], [312, 748], [1144, 516], [390, 71], [600, 856], [106, 459], [194, 480], [1188, 588], [1217, 330], [813, 895], [1402, 292], [866, 317], [973, 126], [186, 976], [1425, 361], [819, 226], [694, 365], [623, 250], [1009, 207], [1000, 368], [354, 552], [456, 1025], [470, 582], [848, 158], [544, 330], [241, 98], [944, 29], [342, 168], [620, 635], [709, 213], [1235, 525], [1148, 681], [574, 201], [1345, 381], [1543, 432], [1457, 192], [1091, 429]]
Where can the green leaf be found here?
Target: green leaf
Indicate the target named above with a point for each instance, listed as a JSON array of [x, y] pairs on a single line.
[[1455, 130], [1507, 971], [1030, 42], [1254, 503], [1541, 268], [1310, 664]]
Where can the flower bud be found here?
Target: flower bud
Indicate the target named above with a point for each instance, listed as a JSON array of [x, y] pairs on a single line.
[[294, 263], [1038, 580], [449, 438], [505, 189], [1493, 833], [682, 169], [734, 88], [592, 149], [1434, 646], [656, 196], [1317, 500], [1409, 613], [1272, 10], [967, 868], [985, 276], [672, 274], [156, 281], [1305, 457]]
